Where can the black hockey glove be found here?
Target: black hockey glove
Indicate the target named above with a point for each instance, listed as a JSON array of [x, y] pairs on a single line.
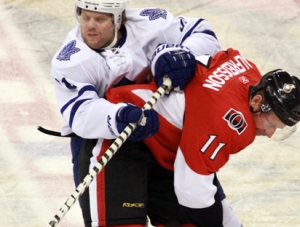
[[175, 61], [148, 121]]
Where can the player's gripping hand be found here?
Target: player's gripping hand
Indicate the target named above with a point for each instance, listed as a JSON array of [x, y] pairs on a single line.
[[148, 123], [175, 61]]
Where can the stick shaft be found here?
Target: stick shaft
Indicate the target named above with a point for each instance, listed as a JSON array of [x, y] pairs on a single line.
[[106, 157]]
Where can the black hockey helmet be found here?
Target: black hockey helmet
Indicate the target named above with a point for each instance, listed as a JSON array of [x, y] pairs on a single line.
[[281, 95]]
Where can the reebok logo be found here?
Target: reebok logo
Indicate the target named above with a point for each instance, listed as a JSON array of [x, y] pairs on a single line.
[[134, 205]]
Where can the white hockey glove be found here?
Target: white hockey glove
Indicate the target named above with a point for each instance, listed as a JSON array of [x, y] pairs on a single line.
[[174, 61]]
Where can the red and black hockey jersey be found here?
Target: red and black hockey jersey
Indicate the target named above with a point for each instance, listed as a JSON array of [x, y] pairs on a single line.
[[202, 127]]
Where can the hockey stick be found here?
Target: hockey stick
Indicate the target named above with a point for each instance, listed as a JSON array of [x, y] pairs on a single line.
[[107, 156]]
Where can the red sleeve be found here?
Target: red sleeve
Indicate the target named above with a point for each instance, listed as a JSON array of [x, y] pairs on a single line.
[[163, 144]]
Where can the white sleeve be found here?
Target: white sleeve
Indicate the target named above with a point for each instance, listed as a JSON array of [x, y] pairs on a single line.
[[171, 107], [84, 112], [81, 77], [192, 189], [195, 33], [202, 39]]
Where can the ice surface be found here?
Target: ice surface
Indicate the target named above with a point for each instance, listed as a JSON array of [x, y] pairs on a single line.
[[262, 183]]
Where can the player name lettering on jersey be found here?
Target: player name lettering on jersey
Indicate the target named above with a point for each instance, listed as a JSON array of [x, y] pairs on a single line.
[[227, 70]]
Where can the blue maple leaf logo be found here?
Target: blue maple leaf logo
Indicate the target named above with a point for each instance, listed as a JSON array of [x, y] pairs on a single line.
[[154, 13], [67, 51]]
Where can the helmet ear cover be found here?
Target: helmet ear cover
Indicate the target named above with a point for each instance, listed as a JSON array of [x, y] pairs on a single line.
[[281, 93], [77, 11]]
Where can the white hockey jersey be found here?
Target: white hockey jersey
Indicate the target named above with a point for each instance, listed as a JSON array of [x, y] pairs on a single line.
[[82, 75]]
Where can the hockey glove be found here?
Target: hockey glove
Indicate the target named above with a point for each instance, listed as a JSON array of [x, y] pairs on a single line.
[[174, 61], [148, 123]]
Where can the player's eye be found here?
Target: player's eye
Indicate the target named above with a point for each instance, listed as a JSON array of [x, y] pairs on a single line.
[[84, 18]]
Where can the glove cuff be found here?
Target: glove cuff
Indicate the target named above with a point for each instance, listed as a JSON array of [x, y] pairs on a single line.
[[111, 118], [163, 48]]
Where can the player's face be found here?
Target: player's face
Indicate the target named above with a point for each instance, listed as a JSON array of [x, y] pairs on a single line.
[[97, 29], [267, 123]]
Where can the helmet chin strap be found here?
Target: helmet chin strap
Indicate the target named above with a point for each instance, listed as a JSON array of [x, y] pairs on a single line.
[[113, 43], [117, 27], [264, 108]]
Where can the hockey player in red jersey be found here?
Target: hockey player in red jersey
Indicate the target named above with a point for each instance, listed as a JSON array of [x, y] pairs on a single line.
[[224, 106]]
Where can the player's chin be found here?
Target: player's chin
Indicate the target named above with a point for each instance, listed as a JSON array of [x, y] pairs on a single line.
[[93, 43]]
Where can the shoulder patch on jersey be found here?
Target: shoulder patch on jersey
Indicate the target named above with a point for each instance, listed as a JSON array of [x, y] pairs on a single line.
[[236, 120], [67, 51], [154, 13]]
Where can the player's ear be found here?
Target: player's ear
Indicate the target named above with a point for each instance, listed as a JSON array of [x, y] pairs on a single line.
[[255, 102]]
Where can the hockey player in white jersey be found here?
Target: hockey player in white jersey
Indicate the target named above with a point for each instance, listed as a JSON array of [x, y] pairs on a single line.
[[112, 46]]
